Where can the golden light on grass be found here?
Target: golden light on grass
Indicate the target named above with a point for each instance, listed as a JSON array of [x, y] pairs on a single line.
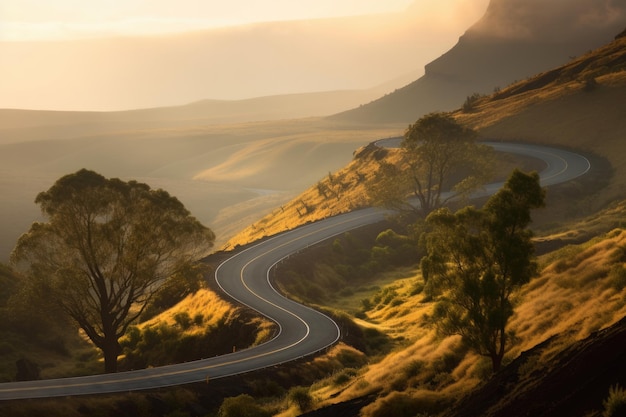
[[577, 293], [338, 192], [581, 289], [206, 304]]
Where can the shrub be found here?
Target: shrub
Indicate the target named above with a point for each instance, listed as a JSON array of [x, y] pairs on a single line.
[[301, 398], [470, 102], [396, 404], [414, 368], [617, 277], [376, 341], [198, 319], [183, 320], [241, 406], [351, 358], [366, 304], [344, 377], [615, 404]]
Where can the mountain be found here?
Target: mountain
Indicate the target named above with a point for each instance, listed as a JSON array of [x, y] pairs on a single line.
[[513, 40]]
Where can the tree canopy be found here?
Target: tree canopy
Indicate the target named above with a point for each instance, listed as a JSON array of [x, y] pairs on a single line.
[[105, 248], [441, 160], [477, 258]]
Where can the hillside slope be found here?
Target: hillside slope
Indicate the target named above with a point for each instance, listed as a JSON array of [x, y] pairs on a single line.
[[515, 39], [573, 383], [578, 105], [569, 321]]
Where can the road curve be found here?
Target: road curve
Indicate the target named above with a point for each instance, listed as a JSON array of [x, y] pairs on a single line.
[[302, 331]]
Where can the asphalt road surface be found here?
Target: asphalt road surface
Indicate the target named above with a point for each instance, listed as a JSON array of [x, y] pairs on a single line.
[[301, 331]]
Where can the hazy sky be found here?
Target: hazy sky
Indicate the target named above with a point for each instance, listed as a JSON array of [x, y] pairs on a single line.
[[86, 55], [65, 19]]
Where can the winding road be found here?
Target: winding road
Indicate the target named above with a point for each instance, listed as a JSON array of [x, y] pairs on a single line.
[[245, 277]]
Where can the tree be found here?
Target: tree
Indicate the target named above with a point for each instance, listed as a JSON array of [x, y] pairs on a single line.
[[477, 258], [438, 155], [104, 250]]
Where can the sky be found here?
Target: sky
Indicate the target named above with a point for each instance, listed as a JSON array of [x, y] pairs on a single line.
[[127, 54], [70, 19]]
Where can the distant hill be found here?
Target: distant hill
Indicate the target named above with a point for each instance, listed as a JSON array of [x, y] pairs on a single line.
[[19, 125], [514, 39]]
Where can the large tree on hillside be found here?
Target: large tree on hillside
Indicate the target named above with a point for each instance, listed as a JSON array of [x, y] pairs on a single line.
[[440, 161], [476, 259], [104, 250]]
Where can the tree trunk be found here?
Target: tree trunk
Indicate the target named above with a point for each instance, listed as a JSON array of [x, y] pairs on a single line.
[[496, 362], [111, 349]]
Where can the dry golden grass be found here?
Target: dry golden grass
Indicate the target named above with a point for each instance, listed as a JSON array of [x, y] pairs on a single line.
[[564, 114], [579, 292], [343, 191], [581, 289], [212, 308], [338, 192]]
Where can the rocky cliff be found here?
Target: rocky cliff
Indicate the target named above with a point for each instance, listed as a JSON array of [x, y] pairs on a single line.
[[514, 39]]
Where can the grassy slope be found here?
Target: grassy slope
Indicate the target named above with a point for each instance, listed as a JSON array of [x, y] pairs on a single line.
[[564, 107], [581, 289], [578, 291], [553, 108]]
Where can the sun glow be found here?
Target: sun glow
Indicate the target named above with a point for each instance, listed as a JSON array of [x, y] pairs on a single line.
[[24, 20], [112, 55]]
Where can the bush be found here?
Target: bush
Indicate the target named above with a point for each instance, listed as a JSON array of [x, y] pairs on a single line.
[[396, 404], [344, 377], [470, 102], [241, 406], [617, 277], [183, 320], [301, 397], [615, 404]]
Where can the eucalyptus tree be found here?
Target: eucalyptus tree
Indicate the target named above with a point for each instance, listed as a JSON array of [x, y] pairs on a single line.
[[104, 249], [477, 258], [440, 160]]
